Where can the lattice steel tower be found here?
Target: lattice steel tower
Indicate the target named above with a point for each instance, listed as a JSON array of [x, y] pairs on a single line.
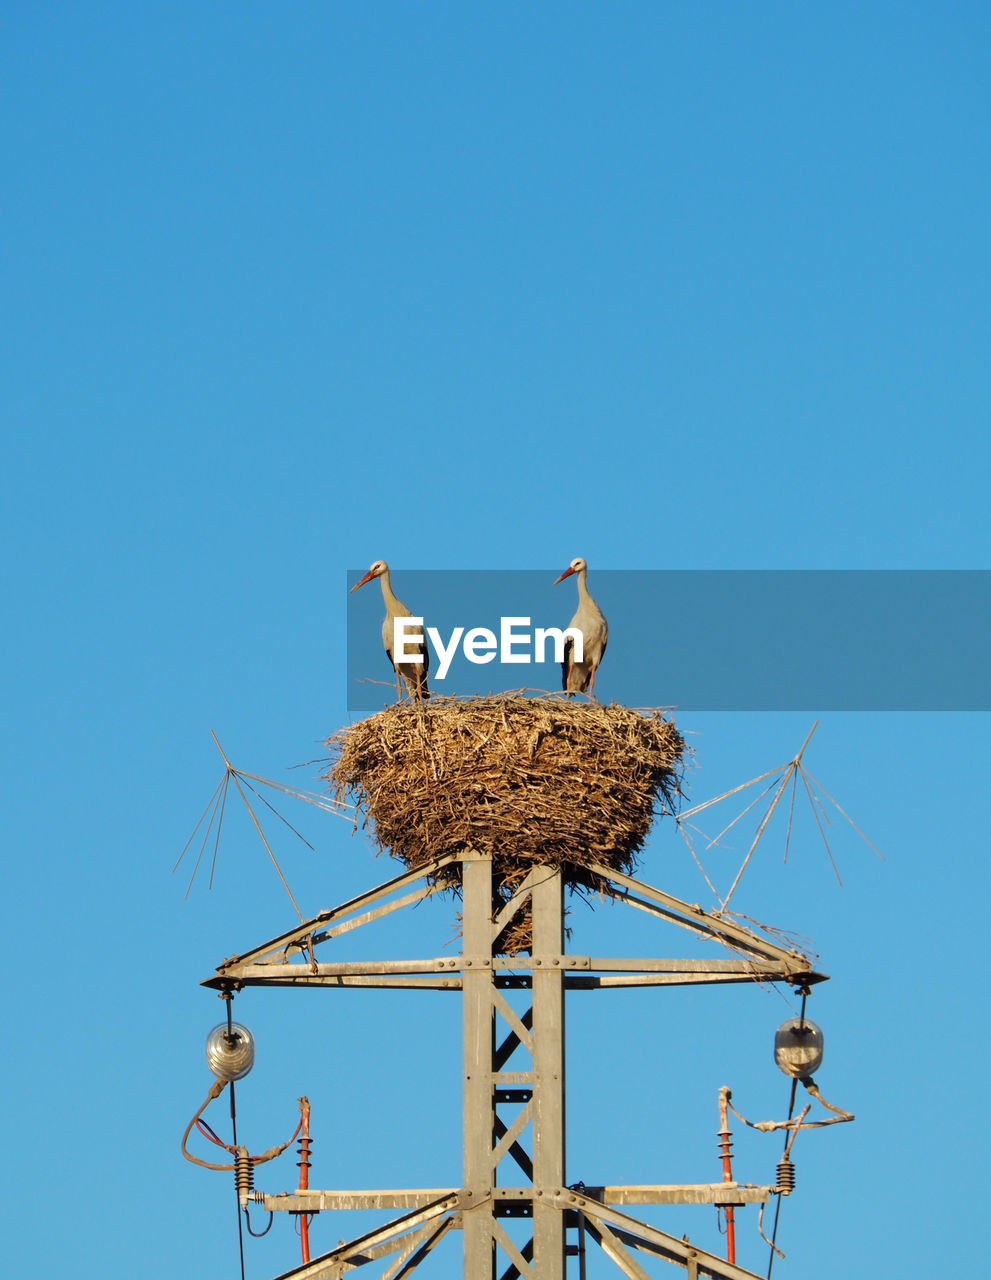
[[513, 1078]]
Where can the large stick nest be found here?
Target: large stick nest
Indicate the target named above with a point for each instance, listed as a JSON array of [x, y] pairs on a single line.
[[526, 779]]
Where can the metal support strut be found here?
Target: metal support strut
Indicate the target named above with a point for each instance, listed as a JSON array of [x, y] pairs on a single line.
[[533, 1045]]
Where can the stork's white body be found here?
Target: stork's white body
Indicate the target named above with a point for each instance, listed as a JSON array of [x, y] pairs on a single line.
[[579, 677], [413, 675]]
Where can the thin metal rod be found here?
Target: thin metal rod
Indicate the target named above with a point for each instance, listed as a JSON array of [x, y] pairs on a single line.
[[220, 823], [792, 767], [844, 813], [221, 790], [815, 814], [237, 1198], [697, 860], [761, 828], [233, 772], [742, 814], [777, 1207], [791, 812], [270, 805], [197, 827], [310, 797], [742, 786]]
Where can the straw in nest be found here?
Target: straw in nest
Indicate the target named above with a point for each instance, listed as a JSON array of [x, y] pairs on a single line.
[[528, 780]]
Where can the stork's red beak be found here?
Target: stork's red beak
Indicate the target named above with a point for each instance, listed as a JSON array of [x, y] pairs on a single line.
[[367, 578], [567, 574]]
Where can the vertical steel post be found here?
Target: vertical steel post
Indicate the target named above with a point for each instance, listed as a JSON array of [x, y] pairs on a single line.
[[548, 1072], [480, 1000], [478, 1048]]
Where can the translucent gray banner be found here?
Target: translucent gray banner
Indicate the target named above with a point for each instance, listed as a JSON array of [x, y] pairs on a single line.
[[705, 640]]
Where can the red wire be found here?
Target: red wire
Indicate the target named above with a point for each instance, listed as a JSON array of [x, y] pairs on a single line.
[[207, 1132]]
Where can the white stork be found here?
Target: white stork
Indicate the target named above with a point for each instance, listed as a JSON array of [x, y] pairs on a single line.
[[579, 677], [412, 674]]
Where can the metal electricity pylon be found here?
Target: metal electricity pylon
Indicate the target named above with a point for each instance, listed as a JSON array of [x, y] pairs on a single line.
[[513, 1078]]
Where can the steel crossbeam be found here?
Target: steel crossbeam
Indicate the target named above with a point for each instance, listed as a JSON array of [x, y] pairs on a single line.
[[394, 1237], [617, 1230], [314, 1201]]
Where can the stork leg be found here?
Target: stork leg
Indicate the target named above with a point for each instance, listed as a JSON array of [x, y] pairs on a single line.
[[591, 684], [399, 693]]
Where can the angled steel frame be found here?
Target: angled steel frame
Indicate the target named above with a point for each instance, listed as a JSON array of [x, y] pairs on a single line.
[[513, 1101]]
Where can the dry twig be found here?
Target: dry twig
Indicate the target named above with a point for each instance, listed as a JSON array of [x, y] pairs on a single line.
[[529, 780]]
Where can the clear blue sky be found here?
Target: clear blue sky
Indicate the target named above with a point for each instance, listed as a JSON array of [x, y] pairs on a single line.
[[292, 287]]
